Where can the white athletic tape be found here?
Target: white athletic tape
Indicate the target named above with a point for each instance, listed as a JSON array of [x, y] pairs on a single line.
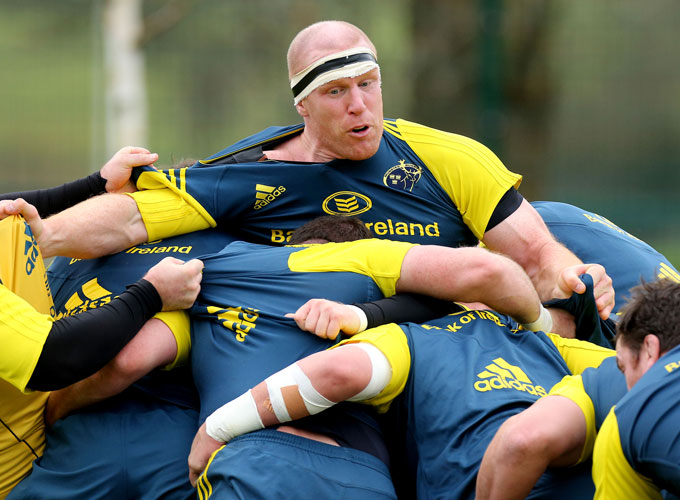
[[544, 323], [381, 372], [294, 376], [235, 418], [363, 320]]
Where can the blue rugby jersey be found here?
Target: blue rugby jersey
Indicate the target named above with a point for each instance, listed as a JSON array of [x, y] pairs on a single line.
[[240, 334], [469, 372], [423, 186], [79, 285], [636, 453]]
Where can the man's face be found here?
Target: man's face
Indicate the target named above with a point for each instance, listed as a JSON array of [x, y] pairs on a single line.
[[343, 118], [630, 363]]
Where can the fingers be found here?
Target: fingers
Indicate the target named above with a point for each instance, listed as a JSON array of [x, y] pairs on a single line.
[[25, 209], [603, 289], [317, 316], [177, 282], [118, 169]]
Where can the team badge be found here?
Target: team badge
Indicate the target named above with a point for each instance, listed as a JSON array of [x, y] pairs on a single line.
[[346, 203], [403, 176]]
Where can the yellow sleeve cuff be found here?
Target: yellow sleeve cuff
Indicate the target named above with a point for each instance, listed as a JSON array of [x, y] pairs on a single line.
[[178, 322], [392, 342]]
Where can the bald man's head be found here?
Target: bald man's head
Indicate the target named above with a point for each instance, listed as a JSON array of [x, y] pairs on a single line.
[[321, 39]]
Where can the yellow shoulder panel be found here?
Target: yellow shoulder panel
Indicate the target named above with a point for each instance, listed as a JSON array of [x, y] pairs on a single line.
[[391, 340], [166, 208], [472, 175], [178, 322], [579, 354], [26, 303], [571, 387], [379, 259], [613, 476]]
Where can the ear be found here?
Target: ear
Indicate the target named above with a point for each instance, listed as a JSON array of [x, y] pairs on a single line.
[[302, 109], [651, 350]]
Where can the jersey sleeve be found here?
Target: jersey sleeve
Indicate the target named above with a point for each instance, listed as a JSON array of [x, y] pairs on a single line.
[[571, 387], [469, 172], [166, 205], [392, 342], [613, 476], [178, 323], [579, 354], [379, 259]]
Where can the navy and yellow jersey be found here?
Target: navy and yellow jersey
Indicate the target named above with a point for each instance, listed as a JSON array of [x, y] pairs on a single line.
[[594, 238], [595, 391], [79, 285], [465, 374], [240, 334], [422, 186], [25, 323], [636, 451]]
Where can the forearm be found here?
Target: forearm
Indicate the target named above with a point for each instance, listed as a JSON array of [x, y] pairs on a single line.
[[71, 352], [404, 307], [305, 388], [470, 275], [153, 347], [98, 226]]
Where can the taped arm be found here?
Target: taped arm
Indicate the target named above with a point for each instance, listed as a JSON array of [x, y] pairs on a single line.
[[371, 367]]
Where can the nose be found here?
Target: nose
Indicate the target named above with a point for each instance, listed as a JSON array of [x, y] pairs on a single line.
[[356, 103]]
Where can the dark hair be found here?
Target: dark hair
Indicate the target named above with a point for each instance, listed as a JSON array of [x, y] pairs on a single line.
[[652, 309], [333, 228]]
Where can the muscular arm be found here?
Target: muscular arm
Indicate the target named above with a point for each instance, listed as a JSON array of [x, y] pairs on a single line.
[[470, 275], [98, 226], [553, 269], [317, 382], [154, 346], [551, 432]]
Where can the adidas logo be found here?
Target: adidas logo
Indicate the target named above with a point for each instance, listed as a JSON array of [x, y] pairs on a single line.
[[502, 375], [264, 195], [90, 296]]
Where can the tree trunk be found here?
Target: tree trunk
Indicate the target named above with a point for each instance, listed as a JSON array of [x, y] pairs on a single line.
[[126, 101]]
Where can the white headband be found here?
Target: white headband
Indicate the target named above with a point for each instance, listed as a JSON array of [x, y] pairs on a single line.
[[346, 64]]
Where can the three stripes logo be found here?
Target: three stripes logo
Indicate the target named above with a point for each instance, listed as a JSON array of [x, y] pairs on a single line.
[[346, 203], [90, 296], [667, 272], [264, 195], [502, 375]]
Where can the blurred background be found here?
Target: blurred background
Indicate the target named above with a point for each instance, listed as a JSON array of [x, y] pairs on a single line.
[[581, 97]]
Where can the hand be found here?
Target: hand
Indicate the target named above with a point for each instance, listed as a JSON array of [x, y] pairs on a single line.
[[202, 449], [177, 282], [325, 318], [118, 169], [25, 209], [603, 290]]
